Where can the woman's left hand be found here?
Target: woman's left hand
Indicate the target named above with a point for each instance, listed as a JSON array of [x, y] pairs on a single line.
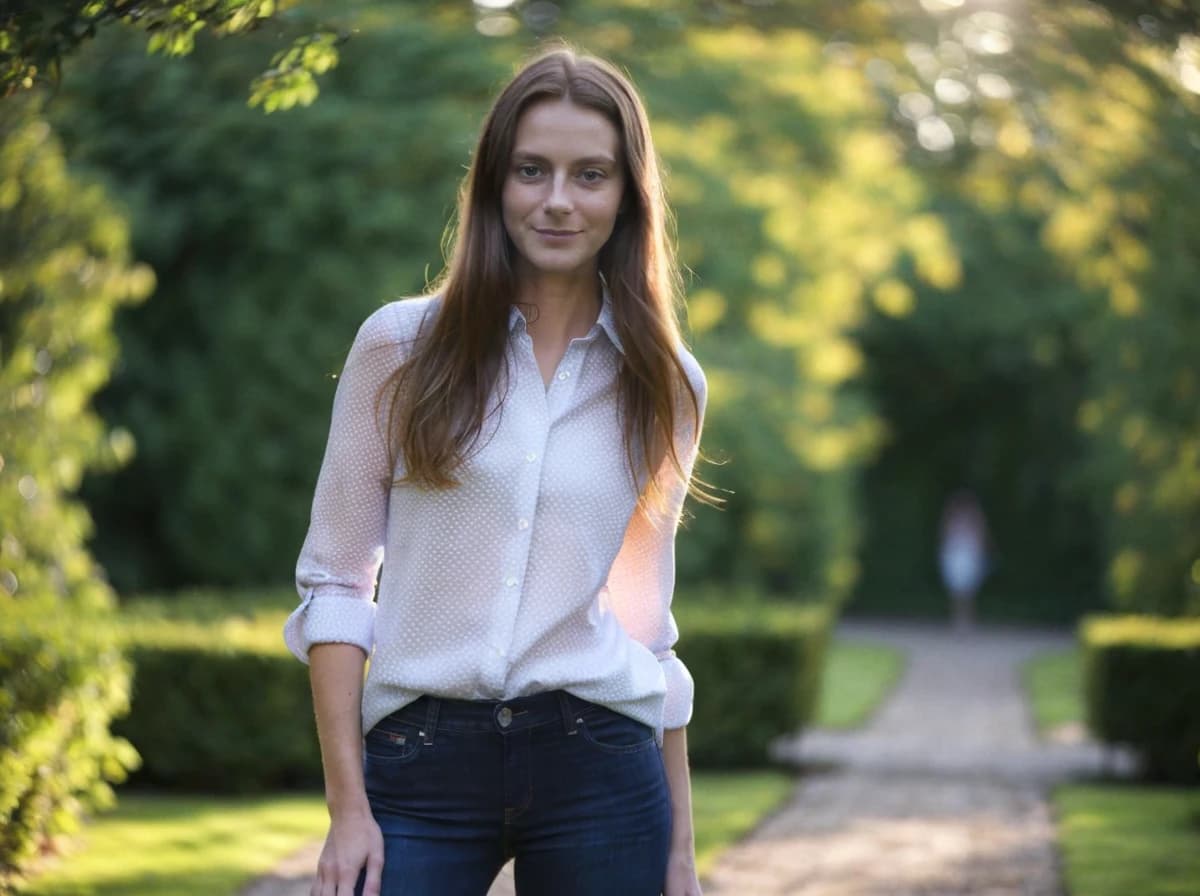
[[681, 874]]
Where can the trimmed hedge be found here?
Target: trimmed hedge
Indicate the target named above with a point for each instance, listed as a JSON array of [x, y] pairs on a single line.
[[220, 705], [1142, 687], [758, 671]]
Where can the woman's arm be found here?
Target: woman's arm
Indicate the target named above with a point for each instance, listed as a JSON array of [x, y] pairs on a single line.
[[354, 841], [641, 585], [339, 562], [681, 864]]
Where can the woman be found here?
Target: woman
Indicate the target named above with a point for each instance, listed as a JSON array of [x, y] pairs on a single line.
[[514, 451]]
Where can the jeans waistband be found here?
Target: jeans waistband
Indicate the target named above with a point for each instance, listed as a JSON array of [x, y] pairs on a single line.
[[496, 716]]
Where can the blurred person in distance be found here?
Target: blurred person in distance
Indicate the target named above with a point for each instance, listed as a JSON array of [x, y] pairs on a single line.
[[963, 555]]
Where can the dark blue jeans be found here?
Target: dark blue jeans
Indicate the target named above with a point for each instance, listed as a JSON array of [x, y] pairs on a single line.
[[575, 793]]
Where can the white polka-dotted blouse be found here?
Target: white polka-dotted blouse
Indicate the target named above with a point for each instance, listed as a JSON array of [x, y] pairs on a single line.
[[534, 573]]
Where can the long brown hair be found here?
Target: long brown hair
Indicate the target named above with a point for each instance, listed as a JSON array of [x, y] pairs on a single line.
[[440, 395]]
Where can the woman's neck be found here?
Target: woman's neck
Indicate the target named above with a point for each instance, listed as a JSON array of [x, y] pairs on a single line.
[[559, 309]]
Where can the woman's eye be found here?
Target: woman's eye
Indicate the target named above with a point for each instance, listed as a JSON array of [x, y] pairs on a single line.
[[591, 175], [528, 170]]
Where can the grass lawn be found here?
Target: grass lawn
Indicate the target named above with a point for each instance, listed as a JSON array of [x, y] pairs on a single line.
[[1119, 840], [725, 806], [858, 676], [183, 845], [208, 846], [1054, 683]]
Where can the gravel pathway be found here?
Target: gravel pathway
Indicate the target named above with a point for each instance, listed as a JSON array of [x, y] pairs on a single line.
[[942, 794]]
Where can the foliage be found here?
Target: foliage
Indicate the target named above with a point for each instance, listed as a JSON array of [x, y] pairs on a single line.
[[1119, 840], [979, 387], [931, 237], [60, 684], [64, 269], [771, 174], [35, 35], [1056, 379], [1164, 21], [757, 670], [1123, 231], [219, 705], [1142, 687], [273, 238], [301, 225]]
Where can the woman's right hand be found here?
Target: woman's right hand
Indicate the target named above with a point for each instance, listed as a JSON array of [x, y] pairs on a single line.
[[353, 843]]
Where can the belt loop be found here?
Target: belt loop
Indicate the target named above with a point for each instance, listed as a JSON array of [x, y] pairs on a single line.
[[564, 704], [431, 720]]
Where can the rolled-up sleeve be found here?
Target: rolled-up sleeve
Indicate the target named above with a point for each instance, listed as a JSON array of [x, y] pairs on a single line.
[[343, 549], [641, 583]]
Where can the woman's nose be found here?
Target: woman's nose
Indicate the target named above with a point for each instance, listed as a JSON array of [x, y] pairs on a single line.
[[558, 199]]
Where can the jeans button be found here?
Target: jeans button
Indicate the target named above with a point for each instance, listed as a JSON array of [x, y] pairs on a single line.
[[504, 717]]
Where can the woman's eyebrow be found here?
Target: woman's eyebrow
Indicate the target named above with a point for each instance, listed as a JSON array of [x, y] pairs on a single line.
[[525, 155]]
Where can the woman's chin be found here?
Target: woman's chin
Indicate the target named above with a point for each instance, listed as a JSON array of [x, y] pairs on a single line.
[[557, 265]]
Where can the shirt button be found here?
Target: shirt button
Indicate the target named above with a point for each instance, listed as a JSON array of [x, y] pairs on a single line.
[[511, 581], [522, 524], [563, 375], [504, 717], [531, 456]]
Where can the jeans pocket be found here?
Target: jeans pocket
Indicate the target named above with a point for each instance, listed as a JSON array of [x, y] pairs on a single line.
[[616, 733], [392, 742]]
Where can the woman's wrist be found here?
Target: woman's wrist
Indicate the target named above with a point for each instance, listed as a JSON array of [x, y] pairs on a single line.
[[682, 842], [682, 857], [347, 805]]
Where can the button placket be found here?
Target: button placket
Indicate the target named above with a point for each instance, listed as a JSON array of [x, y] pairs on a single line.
[[531, 393], [521, 544]]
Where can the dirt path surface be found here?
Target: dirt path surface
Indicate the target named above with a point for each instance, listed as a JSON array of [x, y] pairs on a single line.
[[942, 794]]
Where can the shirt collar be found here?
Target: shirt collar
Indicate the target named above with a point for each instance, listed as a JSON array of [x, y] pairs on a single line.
[[606, 321]]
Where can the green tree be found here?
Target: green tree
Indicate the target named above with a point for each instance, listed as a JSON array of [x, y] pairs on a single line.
[[272, 238], [36, 35], [1056, 144], [64, 270]]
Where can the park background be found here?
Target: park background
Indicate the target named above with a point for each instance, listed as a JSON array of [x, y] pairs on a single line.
[[928, 245]]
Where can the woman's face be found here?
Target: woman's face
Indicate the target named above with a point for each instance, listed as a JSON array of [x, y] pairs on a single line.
[[563, 188]]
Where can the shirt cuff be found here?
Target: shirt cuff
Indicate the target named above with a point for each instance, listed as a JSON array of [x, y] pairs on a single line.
[[326, 618], [677, 709]]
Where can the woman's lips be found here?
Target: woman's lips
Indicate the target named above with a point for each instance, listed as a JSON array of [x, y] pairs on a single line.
[[555, 234]]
